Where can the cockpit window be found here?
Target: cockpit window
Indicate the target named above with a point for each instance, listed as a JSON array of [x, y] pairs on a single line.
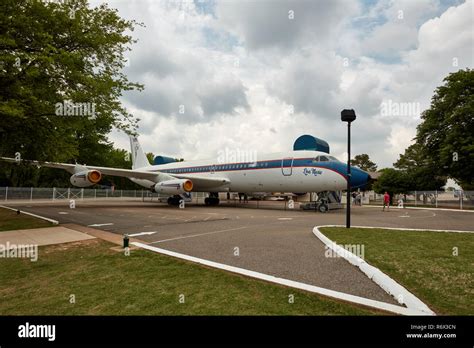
[[321, 159], [325, 159]]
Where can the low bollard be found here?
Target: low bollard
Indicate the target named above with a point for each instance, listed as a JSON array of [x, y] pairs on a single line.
[[125, 241]]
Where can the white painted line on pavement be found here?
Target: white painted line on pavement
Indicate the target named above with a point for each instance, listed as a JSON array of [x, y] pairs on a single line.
[[142, 234], [198, 235], [98, 225]]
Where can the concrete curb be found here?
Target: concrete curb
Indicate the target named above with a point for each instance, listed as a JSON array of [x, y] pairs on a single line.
[[54, 222], [401, 294], [388, 307]]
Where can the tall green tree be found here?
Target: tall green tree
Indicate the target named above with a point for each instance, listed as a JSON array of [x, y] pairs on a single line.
[[363, 162], [420, 170], [445, 135], [54, 53]]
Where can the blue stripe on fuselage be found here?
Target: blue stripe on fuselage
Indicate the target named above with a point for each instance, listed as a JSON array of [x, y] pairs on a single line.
[[338, 167], [358, 177]]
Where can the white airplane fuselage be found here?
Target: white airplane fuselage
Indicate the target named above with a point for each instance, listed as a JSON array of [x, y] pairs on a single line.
[[295, 171]]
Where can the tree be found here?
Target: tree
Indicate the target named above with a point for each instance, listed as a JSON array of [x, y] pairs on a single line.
[[419, 169], [445, 135], [61, 78], [393, 181], [55, 55], [363, 162], [150, 156]]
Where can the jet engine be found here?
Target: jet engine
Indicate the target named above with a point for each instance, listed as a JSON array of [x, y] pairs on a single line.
[[173, 187], [86, 178]]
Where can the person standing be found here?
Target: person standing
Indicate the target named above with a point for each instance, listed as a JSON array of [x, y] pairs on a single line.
[[386, 201]]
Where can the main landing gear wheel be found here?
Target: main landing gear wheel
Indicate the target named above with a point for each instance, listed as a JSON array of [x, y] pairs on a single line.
[[174, 200], [211, 201]]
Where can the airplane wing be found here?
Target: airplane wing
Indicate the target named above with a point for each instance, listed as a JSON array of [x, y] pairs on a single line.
[[199, 183], [127, 173]]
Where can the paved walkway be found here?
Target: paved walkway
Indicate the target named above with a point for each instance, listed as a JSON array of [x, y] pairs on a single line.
[[42, 236]]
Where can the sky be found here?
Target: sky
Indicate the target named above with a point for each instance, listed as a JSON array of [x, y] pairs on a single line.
[[252, 76]]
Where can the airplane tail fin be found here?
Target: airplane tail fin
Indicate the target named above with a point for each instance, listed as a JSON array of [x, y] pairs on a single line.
[[139, 158]]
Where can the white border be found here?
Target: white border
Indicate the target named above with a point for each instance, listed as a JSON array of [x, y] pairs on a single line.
[[294, 284], [54, 222], [401, 294]]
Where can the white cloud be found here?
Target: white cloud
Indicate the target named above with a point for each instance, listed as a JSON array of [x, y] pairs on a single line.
[[239, 71], [284, 24]]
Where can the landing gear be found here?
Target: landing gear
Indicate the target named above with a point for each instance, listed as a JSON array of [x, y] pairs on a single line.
[[213, 199], [323, 207], [174, 200]]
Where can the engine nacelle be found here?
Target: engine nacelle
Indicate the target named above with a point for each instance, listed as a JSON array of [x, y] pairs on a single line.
[[174, 187], [86, 178]]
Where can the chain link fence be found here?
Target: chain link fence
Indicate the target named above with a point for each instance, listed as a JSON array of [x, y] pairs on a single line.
[[456, 199], [436, 199], [54, 193]]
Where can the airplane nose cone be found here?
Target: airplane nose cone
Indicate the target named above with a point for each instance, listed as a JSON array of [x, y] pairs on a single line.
[[359, 178]]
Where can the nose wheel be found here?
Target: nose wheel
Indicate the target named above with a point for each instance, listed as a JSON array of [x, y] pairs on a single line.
[[323, 207]]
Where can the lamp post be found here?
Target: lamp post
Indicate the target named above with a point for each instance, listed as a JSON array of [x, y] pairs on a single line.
[[348, 115]]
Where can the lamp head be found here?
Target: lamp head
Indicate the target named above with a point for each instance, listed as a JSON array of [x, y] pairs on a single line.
[[348, 115]]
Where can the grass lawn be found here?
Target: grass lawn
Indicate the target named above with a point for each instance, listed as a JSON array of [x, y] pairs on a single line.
[[423, 262], [9, 220], [106, 282]]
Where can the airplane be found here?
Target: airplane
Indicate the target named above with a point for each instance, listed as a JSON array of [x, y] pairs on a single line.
[[293, 171]]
